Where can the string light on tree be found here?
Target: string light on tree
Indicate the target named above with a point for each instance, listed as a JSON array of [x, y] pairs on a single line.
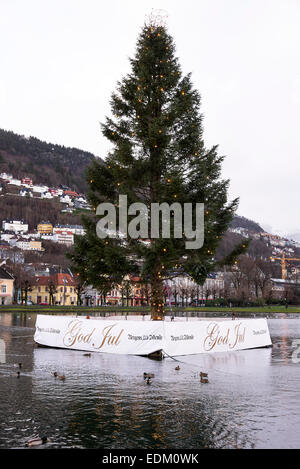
[[156, 75]]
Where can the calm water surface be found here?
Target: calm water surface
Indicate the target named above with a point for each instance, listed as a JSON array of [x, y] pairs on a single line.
[[252, 399]]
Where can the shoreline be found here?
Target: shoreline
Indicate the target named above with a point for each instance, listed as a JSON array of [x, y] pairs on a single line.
[[127, 311]]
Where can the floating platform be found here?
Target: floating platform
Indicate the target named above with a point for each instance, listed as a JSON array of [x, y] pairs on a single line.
[[151, 338]]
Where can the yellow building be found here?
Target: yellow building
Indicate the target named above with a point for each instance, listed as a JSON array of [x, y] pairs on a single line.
[[59, 289], [35, 245], [45, 227], [6, 287]]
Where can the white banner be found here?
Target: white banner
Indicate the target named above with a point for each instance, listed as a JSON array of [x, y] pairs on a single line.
[[145, 337], [125, 337], [215, 336]]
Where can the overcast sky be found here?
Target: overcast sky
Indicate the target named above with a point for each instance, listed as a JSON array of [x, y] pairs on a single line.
[[61, 59]]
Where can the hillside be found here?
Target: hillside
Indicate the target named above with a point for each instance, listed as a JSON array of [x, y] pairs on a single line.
[[52, 165], [33, 211], [242, 222], [45, 163]]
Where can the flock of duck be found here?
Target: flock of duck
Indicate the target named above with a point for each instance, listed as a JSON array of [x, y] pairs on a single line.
[[203, 376], [147, 377]]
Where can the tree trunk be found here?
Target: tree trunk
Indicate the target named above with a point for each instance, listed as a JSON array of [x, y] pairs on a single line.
[[157, 297]]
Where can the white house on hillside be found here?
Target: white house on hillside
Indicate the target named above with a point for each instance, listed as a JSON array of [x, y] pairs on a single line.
[[15, 182], [64, 237], [17, 226], [40, 188], [75, 229], [25, 191], [66, 199], [6, 176], [46, 195]]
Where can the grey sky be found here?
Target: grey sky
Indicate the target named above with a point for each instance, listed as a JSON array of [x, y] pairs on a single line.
[[61, 59]]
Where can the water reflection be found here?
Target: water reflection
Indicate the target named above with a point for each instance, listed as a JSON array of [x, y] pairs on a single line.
[[251, 401]]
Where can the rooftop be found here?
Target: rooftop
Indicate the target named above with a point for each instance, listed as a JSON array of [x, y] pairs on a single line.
[[5, 275]]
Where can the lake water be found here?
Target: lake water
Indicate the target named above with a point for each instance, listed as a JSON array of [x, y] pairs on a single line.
[[252, 399]]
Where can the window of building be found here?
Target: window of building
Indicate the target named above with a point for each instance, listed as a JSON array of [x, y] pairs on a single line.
[[3, 288]]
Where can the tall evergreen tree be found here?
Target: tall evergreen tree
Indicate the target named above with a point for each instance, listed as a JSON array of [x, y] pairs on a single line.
[[158, 156]]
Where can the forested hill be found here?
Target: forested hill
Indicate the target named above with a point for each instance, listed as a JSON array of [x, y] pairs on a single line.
[[45, 163], [242, 222], [52, 165]]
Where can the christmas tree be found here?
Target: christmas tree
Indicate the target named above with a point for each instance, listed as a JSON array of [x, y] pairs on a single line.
[[158, 157]]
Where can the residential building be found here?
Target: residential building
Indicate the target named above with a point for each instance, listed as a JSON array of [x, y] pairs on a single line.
[[35, 245], [26, 181], [29, 245], [71, 193], [15, 182], [7, 236], [63, 237], [49, 237], [75, 229], [61, 286], [45, 227], [54, 192], [282, 287], [7, 177], [6, 287], [18, 226], [47, 195], [239, 230], [80, 199], [66, 199], [31, 234], [40, 188], [25, 192]]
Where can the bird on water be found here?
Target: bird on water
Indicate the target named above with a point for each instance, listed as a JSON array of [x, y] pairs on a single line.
[[37, 441]]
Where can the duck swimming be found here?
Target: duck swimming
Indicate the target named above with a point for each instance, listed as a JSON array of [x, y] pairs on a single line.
[[177, 368], [37, 441]]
